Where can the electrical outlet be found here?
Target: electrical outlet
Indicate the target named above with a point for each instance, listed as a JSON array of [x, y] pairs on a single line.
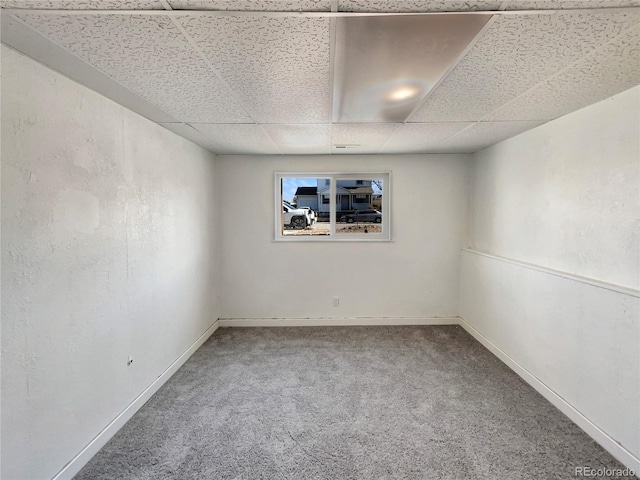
[[336, 301]]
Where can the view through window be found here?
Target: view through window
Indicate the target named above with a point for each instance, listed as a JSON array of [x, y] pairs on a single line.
[[332, 206]]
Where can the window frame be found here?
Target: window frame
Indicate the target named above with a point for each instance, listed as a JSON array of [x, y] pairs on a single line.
[[384, 236]]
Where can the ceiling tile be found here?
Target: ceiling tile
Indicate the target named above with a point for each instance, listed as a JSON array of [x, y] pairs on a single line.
[[563, 4], [148, 55], [254, 5], [84, 4], [300, 139], [279, 67], [405, 6], [190, 133], [485, 134], [370, 136], [276, 71], [423, 137], [238, 138], [609, 71], [514, 54]]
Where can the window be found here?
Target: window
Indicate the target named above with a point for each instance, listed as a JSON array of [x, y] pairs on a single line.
[[332, 206]]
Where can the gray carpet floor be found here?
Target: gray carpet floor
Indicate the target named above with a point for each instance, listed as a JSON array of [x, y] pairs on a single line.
[[346, 403]]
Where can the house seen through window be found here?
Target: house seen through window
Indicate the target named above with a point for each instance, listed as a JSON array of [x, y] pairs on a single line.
[[332, 207]]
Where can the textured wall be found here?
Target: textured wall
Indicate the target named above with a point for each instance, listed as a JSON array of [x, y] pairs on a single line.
[[565, 196], [107, 251], [416, 275]]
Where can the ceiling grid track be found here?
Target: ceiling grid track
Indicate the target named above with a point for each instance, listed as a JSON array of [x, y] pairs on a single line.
[[204, 57], [299, 14], [384, 145], [546, 80], [198, 132], [165, 4], [332, 53], [263, 130]]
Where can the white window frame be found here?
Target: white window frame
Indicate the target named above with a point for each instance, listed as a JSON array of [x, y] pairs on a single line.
[[384, 236]]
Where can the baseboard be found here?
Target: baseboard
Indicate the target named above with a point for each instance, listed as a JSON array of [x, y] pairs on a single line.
[[336, 321], [625, 457], [82, 458]]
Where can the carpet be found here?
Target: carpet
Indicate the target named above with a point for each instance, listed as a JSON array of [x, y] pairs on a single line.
[[414, 402]]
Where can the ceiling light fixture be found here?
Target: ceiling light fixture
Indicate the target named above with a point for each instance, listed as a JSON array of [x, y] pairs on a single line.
[[384, 66], [404, 92]]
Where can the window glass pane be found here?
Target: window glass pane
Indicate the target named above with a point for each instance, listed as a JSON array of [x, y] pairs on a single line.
[[303, 212], [359, 206]]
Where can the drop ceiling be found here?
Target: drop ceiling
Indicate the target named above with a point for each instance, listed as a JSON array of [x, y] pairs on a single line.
[[285, 77]]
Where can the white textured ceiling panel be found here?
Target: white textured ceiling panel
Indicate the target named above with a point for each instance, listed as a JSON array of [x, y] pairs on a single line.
[[608, 71], [23, 39], [279, 67], [485, 134], [254, 5], [84, 4], [148, 55], [260, 83], [371, 136], [190, 133], [423, 137], [238, 138], [406, 6], [301, 139], [514, 54], [564, 4]]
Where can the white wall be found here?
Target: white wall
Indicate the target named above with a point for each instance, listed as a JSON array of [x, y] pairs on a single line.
[[563, 201], [566, 195], [416, 275], [107, 251]]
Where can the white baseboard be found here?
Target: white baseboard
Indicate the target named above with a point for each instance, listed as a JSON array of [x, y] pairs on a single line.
[[625, 457], [82, 458], [336, 322]]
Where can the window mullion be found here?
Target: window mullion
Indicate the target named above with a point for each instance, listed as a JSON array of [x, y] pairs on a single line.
[[332, 206]]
